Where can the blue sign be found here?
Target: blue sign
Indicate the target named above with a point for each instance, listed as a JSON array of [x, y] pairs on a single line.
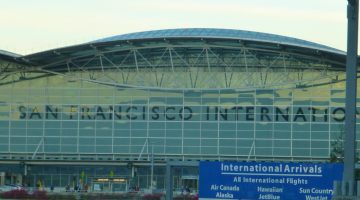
[[267, 180]]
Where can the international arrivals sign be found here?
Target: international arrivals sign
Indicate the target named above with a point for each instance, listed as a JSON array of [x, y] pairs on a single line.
[[179, 113], [267, 180]]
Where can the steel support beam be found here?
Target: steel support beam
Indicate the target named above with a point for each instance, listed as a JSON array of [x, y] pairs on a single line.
[[351, 88]]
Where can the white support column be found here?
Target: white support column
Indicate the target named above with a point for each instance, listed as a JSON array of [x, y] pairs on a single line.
[[171, 60], [136, 61]]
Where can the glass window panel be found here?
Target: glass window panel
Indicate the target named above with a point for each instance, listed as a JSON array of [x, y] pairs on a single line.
[[245, 143], [173, 125], [4, 124], [320, 152], [69, 132], [228, 126], [69, 148], [139, 125], [18, 140], [173, 133], [242, 151], [122, 125], [15, 132], [301, 144], [87, 124], [140, 133], [191, 150], [319, 127], [174, 100], [173, 142], [121, 149], [34, 132], [301, 127], [247, 101], [339, 127], [156, 133], [52, 148], [158, 149], [18, 124], [69, 141], [103, 149], [138, 141], [157, 125], [52, 132], [281, 151], [301, 152], [264, 126], [103, 125], [122, 133], [301, 135], [264, 113], [245, 126], [227, 142], [86, 132], [304, 102], [191, 142], [191, 125], [319, 144], [103, 132], [245, 134], [121, 141], [209, 126], [69, 124], [282, 143], [227, 151], [103, 141], [282, 114], [4, 140], [263, 151], [86, 141], [173, 150], [282, 134], [336, 135], [135, 149], [32, 148], [192, 133], [282, 126], [264, 134], [52, 140], [86, 149], [263, 143], [227, 134], [17, 148], [320, 135], [4, 147]]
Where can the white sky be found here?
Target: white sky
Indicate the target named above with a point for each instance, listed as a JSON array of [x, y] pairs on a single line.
[[29, 26]]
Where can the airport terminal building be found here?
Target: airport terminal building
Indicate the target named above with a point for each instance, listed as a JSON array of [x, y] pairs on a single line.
[[114, 111]]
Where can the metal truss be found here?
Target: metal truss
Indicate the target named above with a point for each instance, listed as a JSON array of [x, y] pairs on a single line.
[[11, 72], [202, 66]]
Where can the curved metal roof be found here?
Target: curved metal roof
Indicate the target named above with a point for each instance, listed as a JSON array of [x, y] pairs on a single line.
[[220, 33], [10, 56], [199, 36]]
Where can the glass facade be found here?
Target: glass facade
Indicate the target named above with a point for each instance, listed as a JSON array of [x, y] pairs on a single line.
[[120, 105], [89, 120], [53, 119]]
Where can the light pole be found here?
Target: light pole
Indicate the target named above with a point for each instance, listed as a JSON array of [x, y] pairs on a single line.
[[351, 88], [152, 169]]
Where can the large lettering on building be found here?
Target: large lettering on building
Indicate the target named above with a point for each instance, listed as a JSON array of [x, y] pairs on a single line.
[[193, 113]]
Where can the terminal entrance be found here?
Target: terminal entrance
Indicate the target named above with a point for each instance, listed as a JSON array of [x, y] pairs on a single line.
[[7, 178], [190, 184], [109, 185]]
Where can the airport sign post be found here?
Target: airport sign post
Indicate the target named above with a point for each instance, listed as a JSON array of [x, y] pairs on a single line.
[[267, 180]]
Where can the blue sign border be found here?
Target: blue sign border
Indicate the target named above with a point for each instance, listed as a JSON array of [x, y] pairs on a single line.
[[267, 180]]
